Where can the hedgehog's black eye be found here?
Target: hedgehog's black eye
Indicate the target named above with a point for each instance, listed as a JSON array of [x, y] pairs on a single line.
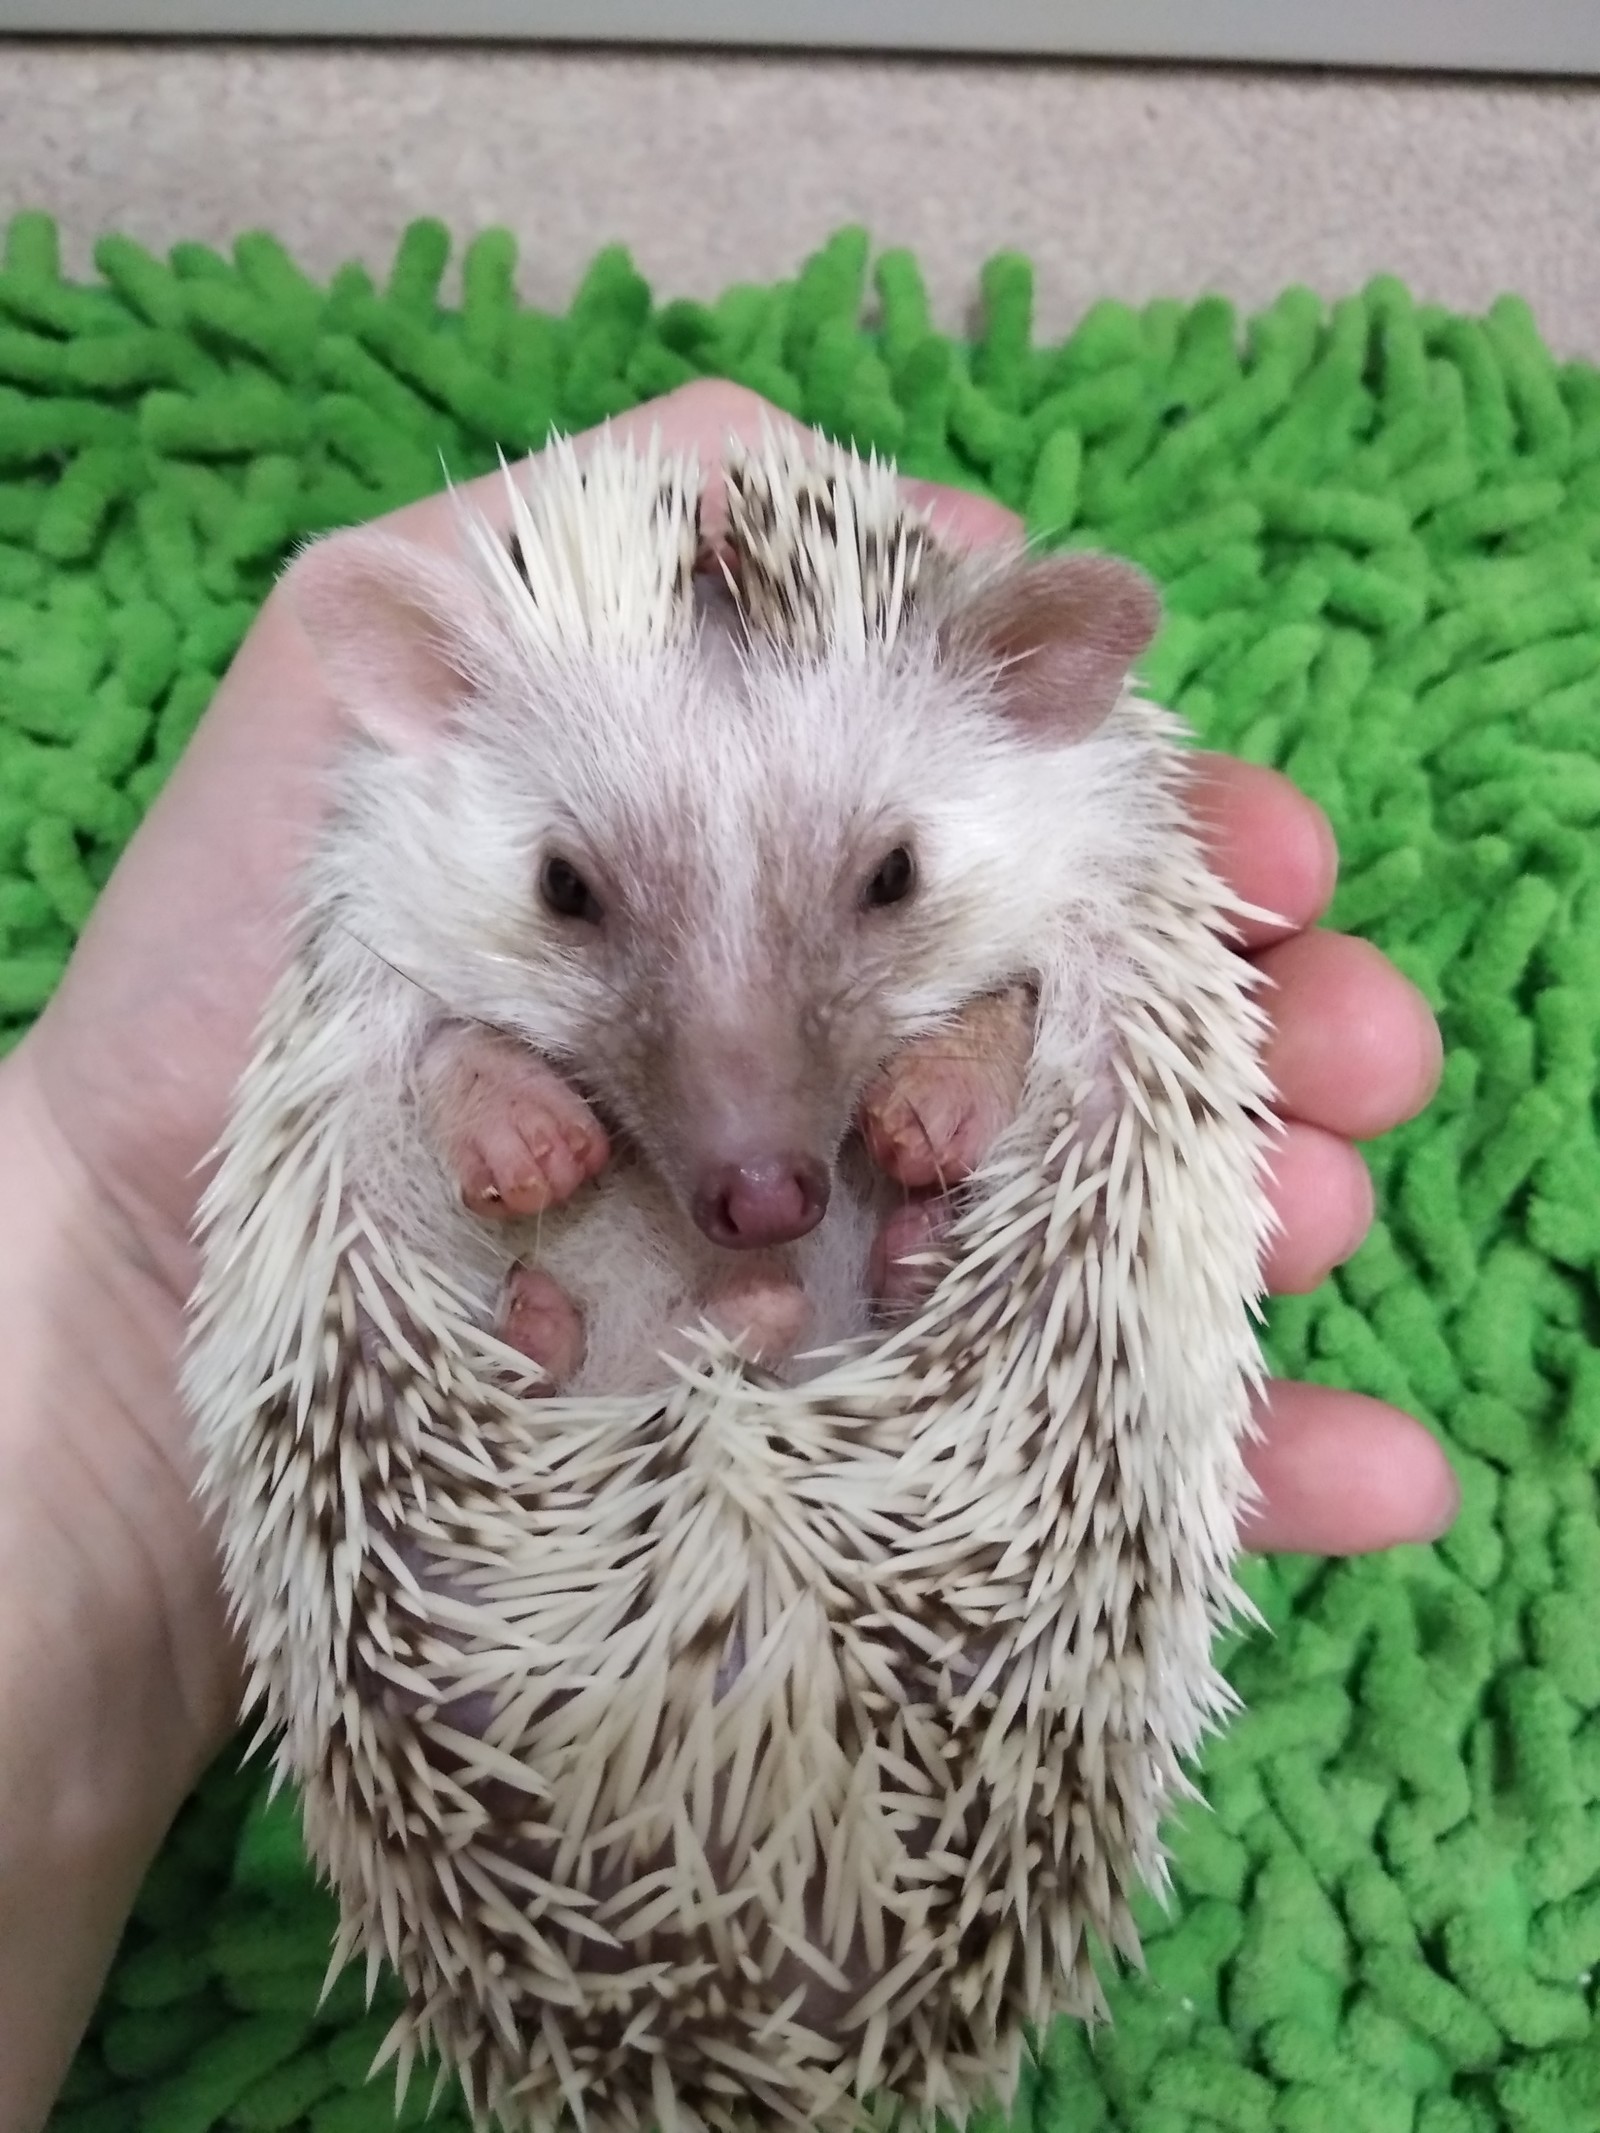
[[567, 894], [893, 882]]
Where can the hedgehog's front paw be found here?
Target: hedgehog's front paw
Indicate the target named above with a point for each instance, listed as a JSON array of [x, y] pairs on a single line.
[[539, 1319], [515, 1137], [938, 1107]]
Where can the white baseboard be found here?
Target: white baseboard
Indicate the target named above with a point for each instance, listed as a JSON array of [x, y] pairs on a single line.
[[1453, 36]]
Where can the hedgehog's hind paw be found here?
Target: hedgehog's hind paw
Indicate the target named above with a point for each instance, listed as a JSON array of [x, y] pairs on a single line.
[[539, 1319]]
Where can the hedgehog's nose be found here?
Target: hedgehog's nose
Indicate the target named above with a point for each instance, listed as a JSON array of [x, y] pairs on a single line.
[[747, 1205]]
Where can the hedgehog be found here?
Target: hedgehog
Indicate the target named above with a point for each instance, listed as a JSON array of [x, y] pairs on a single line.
[[736, 1722]]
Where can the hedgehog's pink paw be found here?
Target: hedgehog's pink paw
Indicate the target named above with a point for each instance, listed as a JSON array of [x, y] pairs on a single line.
[[939, 1106], [762, 1312], [516, 1137], [898, 1284], [539, 1319]]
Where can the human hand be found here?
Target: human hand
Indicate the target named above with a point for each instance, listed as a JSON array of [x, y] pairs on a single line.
[[132, 1065], [110, 1105], [134, 1061]]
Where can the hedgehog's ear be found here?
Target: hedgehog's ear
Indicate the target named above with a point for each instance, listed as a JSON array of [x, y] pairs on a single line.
[[402, 635], [1065, 630]]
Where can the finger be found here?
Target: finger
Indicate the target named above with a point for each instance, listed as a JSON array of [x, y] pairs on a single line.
[[1321, 1193], [962, 519], [1340, 1474], [700, 418], [1353, 1046], [1273, 846]]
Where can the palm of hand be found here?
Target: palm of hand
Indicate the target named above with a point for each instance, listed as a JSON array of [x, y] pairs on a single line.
[[139, 1051]]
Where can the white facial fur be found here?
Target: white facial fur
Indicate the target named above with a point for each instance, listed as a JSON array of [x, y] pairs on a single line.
[[728, 808]]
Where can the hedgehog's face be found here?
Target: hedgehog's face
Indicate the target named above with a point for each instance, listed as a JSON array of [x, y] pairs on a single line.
[[720, 884], [752, 886], [731, 915]]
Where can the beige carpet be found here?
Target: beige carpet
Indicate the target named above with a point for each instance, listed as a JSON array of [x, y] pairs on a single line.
[[1123, 181]]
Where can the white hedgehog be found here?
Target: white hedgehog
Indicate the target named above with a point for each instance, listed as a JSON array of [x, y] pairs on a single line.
[[709, 1743]]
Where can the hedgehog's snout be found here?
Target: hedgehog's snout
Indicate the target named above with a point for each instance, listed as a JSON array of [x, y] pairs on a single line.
[[773, 1199], [738, 1111]]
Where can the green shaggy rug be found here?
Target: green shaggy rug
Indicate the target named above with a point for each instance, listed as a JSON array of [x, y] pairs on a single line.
[[1377, 530]]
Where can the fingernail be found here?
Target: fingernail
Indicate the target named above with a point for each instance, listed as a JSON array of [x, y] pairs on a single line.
[[1449, 1506], [1432, 1066], [1366, 1206], [1329, 845]]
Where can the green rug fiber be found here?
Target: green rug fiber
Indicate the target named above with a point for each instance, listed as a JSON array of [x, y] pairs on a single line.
[[1377, 529]]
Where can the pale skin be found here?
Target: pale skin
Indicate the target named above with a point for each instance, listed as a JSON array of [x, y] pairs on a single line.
[[118, 1680]]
